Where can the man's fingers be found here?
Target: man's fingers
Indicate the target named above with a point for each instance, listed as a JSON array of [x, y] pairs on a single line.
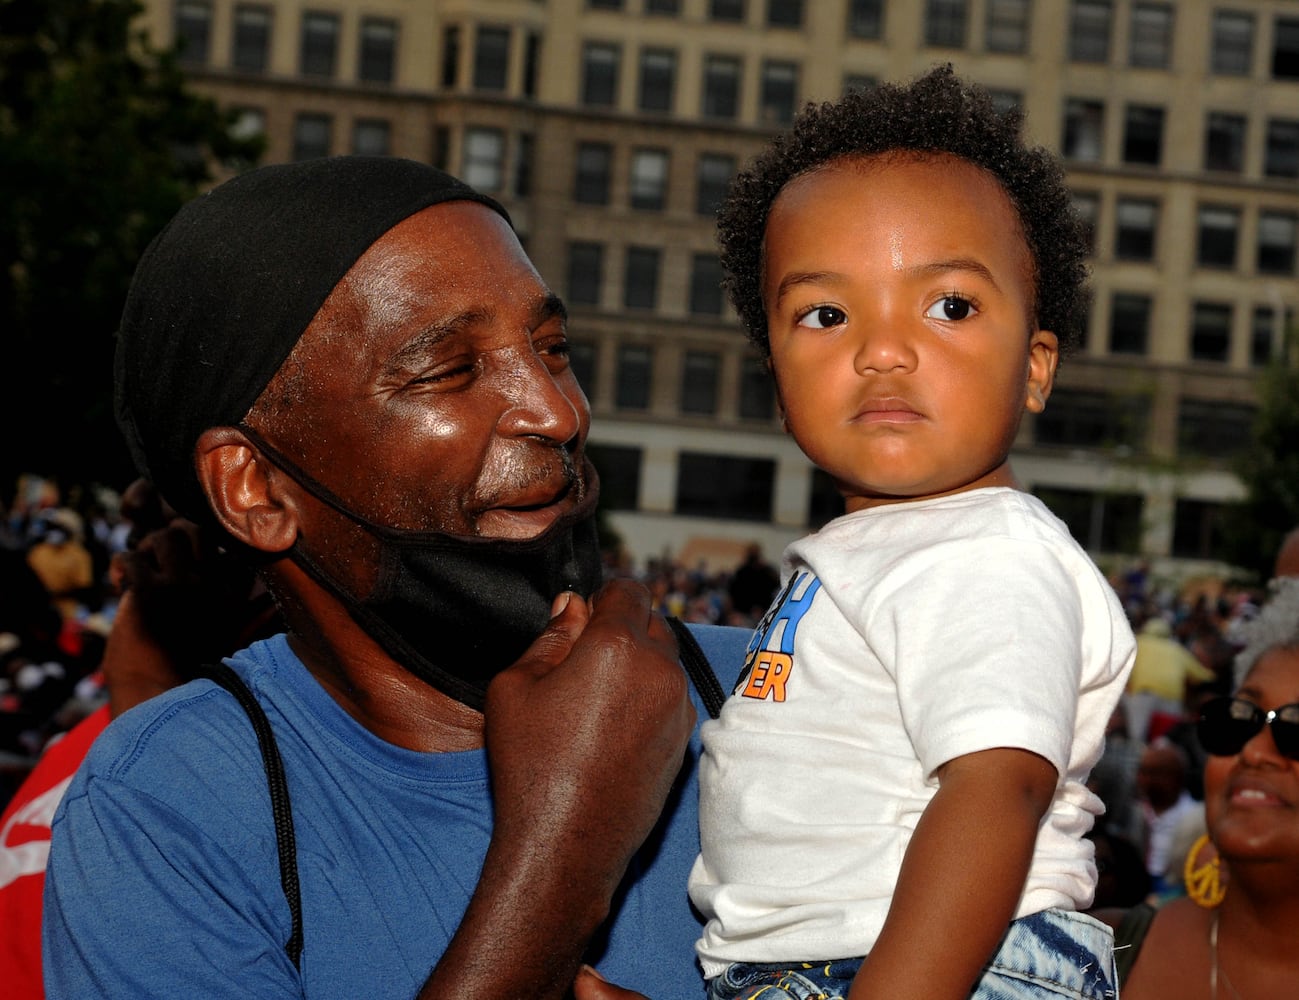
[[590, 985]]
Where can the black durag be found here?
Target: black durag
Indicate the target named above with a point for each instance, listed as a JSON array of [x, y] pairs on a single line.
[[217, 303]]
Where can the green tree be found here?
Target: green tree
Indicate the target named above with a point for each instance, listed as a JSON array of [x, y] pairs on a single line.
[[1269, 468], [100, 144]]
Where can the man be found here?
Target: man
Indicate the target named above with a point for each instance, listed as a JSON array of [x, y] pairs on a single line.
[[351, 367]]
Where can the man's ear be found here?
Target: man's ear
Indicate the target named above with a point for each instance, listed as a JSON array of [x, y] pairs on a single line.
[[244, 491], [1043, 358]]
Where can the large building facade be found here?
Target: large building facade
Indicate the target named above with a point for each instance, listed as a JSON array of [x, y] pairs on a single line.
[[609, 128]]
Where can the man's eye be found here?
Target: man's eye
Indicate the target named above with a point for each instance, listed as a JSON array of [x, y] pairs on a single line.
[[822, 318], [951, 307]]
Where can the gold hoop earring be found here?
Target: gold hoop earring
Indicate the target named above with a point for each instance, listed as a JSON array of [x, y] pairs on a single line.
[[1204, 882]]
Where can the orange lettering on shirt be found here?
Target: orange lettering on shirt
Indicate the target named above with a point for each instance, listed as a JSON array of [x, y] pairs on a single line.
[[770, 672]]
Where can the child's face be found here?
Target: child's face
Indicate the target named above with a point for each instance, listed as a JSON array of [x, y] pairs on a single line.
[[898, 296]]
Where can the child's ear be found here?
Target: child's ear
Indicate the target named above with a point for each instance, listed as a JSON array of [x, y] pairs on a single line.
[[1043, 357]]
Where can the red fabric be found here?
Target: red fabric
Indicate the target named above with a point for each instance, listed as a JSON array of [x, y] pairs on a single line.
[[24, 848]]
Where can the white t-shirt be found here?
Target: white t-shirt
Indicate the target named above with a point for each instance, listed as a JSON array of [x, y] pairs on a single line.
[[904, 636]]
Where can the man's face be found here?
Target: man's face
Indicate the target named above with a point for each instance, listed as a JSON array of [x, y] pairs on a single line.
[[432, 391]]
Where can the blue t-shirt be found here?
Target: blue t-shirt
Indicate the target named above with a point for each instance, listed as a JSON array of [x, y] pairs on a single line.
[[164, 880]]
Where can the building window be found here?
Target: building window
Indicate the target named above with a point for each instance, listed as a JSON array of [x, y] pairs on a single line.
[[658, 74], [866, 18], [599, 75], [1199, 528], [378, 50], [725, 486], [757, 395], [825, 501], [581, 359], [1212, 428], [859, 81], [632, 379], [649, 179], [641, 280], [713, 177], [1089, 30], [1281, 156], [525, 144], [785, 13], [319, 43], [491, 59], [604, 4], [1217, 230], [1099, 522], [1087, 206], [482, 163], [1078, 418], [440, 155], [591, 186], [192, 26], [1134, 231], [663, 6], [1210, 331], [1224, 142], [371, 137], [585, 273], [311, 136], [249, 123], [1265, 335], [1083, 127], [1150, 41], [1129, 323], [1232, 47], [1285, 49], [451, 56], [721, 86], [1276, 243], [945, 23], [726, 10], [1006, 29], [1143, 134], [531, 60], [699, 373], [252, 39], [779, 91], [619, 471], [705, 285]]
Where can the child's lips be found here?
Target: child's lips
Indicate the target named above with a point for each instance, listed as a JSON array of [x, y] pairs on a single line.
[[888, 411]]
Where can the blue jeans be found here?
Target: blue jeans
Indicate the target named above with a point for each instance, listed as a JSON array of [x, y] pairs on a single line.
[[1044, 956]]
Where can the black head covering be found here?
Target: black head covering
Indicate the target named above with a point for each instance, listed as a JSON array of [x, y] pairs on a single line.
[[223, 293]]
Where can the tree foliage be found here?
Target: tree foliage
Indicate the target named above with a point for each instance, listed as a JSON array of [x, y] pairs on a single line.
[[100, 143], [1269, 467]]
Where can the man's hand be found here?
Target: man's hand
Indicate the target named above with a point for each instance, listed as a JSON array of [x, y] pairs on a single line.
[[585, 735]]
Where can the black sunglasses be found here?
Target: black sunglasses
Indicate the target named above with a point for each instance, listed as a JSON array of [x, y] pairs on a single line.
[[1227, 724]]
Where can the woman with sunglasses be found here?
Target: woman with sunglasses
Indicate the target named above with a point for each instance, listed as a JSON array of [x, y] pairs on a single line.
[[1235, 936]]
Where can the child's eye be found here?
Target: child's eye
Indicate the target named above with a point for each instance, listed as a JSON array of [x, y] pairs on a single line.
[[822, 318], [951, 307]]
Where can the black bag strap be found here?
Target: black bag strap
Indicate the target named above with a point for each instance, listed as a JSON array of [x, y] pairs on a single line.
[[281, 808], [698, 668]]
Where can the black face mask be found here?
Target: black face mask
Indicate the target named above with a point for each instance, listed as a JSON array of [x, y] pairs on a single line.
[[456, 610]]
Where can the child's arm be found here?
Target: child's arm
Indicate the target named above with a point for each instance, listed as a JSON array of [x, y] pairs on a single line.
[[961, 877]]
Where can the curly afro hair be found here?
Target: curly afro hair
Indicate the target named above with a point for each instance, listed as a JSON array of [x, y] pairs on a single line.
[[935, 114]]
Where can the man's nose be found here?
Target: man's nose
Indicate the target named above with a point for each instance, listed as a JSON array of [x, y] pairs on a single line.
[[540, 403]]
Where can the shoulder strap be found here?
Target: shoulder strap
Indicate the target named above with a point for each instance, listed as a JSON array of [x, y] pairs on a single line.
[[698, 668], [281, 808], [1127, 939]]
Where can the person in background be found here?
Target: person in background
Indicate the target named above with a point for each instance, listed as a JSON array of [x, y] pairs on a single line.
[[1233, 935]]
